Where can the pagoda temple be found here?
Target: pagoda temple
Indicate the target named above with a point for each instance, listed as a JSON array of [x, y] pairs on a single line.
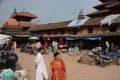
[[106, 8], [105, 22], [18, 25]]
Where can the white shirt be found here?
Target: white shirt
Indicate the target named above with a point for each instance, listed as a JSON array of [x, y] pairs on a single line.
[[107, 44], [41, 71]]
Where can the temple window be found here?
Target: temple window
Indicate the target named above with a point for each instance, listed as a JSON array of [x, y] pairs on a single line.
[[49, 33], [70, 31], [46, 33], [112, 28], [55, 32], [74, 31], [62, 32], [90, 30]]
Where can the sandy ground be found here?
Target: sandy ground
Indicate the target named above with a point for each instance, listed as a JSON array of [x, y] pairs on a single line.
[[75, 70]]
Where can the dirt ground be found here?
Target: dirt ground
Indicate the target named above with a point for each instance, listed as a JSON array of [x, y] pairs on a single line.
[[75, 70]]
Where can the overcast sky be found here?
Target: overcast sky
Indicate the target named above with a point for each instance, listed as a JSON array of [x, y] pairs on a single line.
[[48, 11]]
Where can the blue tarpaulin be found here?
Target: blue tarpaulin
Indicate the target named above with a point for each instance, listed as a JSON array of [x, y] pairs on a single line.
[[92, 38], [71, 38], [88, 38]]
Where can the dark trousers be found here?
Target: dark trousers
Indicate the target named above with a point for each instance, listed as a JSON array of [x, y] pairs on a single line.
[[11, 64]]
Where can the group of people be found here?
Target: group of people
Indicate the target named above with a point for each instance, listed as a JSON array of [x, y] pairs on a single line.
[[10, 53], [57, 67], [34, 46]]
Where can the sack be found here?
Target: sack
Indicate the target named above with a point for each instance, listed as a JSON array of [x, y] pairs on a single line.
[[16, 57], [7, 74]]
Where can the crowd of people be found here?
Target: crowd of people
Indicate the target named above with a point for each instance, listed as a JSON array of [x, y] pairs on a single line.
[[55, 45]]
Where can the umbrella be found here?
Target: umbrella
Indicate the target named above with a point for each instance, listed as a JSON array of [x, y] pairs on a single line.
[[33, 38]]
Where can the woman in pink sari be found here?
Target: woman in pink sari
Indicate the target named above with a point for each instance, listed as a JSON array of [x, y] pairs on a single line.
[[57, 68]]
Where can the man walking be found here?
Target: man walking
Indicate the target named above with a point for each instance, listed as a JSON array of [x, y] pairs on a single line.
[[41, 71]]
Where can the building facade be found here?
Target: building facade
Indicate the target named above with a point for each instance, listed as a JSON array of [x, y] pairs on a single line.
[[105, 22]]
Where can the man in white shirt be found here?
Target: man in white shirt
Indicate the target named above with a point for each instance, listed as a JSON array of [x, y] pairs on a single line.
[[107, 47], [41, 71]]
